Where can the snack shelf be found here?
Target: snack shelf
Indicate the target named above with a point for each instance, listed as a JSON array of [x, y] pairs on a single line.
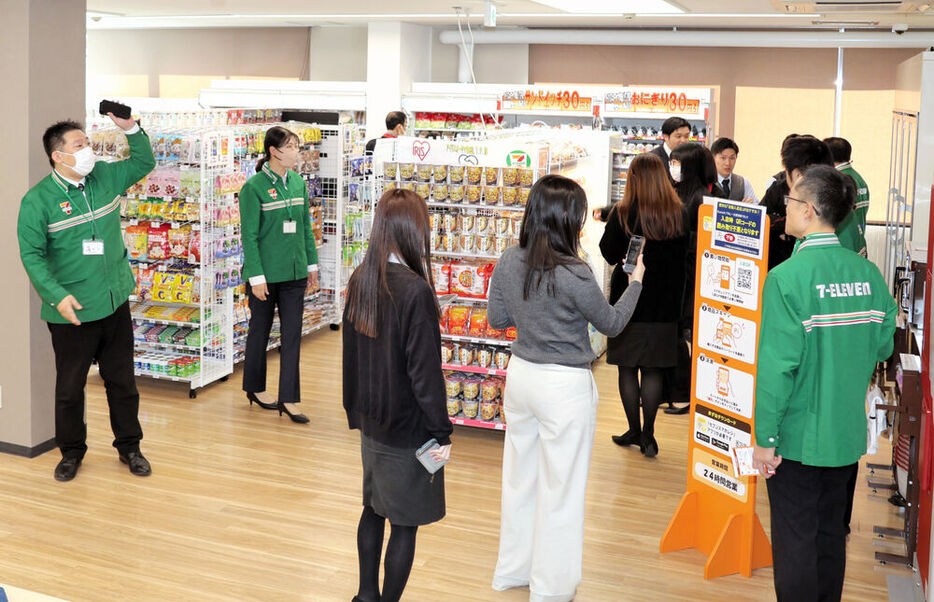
[[473, 369], [454, 130], [440, 205], [476, 340], [171, 346], [149, 304], [158, 376], [467, 255], [496, 425], [142, 318], [468, 299]]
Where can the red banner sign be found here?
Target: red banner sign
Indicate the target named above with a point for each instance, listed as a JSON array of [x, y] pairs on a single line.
[[544, 100]]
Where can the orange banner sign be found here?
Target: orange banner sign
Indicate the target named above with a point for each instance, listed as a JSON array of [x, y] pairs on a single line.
[[546, 100]]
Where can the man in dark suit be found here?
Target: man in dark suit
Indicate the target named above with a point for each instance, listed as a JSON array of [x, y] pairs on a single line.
[[732, 185]]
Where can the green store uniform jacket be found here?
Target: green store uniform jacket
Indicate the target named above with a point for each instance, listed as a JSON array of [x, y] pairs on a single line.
[[852, 231], [55, 217], [267, 202], [827, 318]]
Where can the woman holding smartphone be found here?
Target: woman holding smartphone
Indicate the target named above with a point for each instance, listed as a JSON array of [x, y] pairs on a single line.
[[394, 390], [279, 260], [649, 344], [544, 289]]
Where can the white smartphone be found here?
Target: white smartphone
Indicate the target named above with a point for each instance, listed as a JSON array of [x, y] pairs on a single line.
[[430, 464]]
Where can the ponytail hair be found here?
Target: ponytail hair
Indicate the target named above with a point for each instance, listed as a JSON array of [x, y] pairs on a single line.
[[276, 136]]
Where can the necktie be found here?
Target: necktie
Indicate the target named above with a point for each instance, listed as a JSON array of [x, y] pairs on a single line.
[[726, 187]]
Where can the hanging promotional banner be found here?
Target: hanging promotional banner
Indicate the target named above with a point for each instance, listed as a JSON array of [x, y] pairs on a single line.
[[546, 100], [717, 513], [682, 101]]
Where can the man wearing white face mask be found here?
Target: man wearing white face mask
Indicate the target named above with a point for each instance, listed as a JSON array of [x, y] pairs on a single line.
[[72, 248]]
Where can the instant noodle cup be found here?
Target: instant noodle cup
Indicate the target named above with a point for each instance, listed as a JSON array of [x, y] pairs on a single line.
[[474, 174], [424, 172], [456, 193], [490, 176], [488, 409], [510, 176], [523, 196], [525, 177], [407, 186], [503, 226], [439, 192], [466, 223], [471, 407], [471, 387], [485, 354], [502, 244], [492, 195], [467, 355], [502, 359], [423, 189], [440, 173], [406, 171], [449, 243], [510, 195], [390, 170], [486, 225], [490, 389], [453, 384], [434, 221], [467, 243], [472, 193], [450, 222], [454, 407], [516, 225], [447, 353], [456, 174], [435, 240], [486, 244]]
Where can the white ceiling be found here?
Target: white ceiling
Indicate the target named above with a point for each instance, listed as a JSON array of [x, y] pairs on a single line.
[[706, 14]]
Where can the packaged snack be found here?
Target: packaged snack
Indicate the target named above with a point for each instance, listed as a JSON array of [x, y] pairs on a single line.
[[162, 287], [501, 245], [439, 192], [435, 240], [525, 177], [510, 195], [490, 176], [488, 409], [194, 247], [390, 170], [486, 225], [472, 387], [472, 194], [458, 319], [471, 407], [492, 195], [453, 384], [449, 243], [490, 390], [492, 333], [466, 355], [158, 242], [467, 243], [407, 171], [502, 359], [135, 238], [450, 222], [443, 321], [511, 333], [441, 273], [466, 223], [423, 189], [181, 291], [456, 174], [447, 353], [179, 242], [471, 279], [456, 193], [503, 226], [132, 208], [484, 354], [523, 196], [407, 186], [454, 407], [478, 322], [510, 176], [424, 172], [440, 173], [474, 174]]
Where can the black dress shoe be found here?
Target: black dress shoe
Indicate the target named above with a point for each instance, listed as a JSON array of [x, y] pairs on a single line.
[[671, 409], [299, 418], [627, 438], [67, 469], [266, 406], [137, 463], [649, 446]]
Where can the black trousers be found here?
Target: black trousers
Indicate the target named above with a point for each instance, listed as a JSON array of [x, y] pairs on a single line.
[[289, 297], [808, 505], [110, 342]]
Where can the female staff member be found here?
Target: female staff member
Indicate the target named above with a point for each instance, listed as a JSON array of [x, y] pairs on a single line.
[[279, 260], [549, 294], [394, 390], [649, 343]]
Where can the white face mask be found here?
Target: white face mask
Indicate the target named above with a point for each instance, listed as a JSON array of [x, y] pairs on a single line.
[[84, 161], [675, 172]]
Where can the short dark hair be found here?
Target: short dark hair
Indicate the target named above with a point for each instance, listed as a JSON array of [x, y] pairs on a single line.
[[840, 148], [721, 144], [834, 192], [394, 119], [54, 137], [801, 151], [674, 123]]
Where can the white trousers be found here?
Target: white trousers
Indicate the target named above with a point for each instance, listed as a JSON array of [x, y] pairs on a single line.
[[551, 414]]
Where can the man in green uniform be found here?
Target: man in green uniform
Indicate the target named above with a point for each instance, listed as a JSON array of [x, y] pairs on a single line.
[[852, 232], [72, 248], [827, 319]]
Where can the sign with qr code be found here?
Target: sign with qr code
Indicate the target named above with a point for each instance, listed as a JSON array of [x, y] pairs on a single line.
[[737, 227], [730, 280]]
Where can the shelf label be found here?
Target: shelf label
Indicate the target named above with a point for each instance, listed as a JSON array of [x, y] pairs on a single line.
[[661, 100], [546, 100]]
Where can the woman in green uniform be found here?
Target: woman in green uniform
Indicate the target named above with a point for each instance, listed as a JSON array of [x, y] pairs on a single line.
[[279, 258]]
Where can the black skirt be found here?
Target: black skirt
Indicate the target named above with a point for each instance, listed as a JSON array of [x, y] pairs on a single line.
[[645, 344], [397, 486]]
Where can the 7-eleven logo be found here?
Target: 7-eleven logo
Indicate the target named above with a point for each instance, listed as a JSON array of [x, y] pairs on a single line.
[[66, 207], [272, 193]]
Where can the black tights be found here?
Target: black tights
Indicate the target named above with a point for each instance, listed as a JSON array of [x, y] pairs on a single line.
[[650, 392], [399, 555]]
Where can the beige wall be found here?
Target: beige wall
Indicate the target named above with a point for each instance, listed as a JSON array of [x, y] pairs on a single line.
[[178, 63], [764, 94], [493, 63], [338, 54], [43, 48]]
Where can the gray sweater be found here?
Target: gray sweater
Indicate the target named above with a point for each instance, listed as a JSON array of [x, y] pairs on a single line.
[[553, 330]]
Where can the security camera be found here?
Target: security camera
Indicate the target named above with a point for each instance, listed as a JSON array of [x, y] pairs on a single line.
[[900, 28]]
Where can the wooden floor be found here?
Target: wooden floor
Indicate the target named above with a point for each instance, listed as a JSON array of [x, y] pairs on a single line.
[[245, 505]]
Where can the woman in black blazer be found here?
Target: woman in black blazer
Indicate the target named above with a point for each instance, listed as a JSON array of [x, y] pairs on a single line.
[[649, 344]]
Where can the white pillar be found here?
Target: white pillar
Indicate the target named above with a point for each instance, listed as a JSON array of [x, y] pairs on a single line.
[[465, 63], [397, 55]]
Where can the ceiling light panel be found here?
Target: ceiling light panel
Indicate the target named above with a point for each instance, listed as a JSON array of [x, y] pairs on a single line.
[[611, 6]]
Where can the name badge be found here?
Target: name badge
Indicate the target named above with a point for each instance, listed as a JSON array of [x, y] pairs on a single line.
[[92, 247], [288, 226]]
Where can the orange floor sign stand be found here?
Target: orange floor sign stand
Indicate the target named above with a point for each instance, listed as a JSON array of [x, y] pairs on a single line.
[[717, 514]]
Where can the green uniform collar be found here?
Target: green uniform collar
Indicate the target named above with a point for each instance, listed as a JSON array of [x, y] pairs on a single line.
[[61, 182], [273, 176], [818, 239]]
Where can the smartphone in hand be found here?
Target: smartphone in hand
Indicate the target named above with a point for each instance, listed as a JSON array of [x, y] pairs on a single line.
[[632, 254], [119, 110]]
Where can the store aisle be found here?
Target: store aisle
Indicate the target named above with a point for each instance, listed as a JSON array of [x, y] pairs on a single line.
[[245, 505]]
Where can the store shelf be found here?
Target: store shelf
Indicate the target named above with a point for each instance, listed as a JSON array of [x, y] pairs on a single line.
[[467, 299], [496, 425], [172, 346], [160, 376], [453, 130], [479, 341], [516, 207], [474, 369], [142, 318], [466, 255]]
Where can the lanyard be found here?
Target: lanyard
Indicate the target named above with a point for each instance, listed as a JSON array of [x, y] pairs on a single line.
[[83, 188]]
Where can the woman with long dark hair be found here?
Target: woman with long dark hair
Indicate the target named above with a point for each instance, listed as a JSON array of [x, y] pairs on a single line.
[[649, 343], [279, 259], [694, 171], [394, 390], [544, 289]]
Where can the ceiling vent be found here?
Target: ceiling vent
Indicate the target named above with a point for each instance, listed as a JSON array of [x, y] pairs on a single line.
[[851, 6]]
